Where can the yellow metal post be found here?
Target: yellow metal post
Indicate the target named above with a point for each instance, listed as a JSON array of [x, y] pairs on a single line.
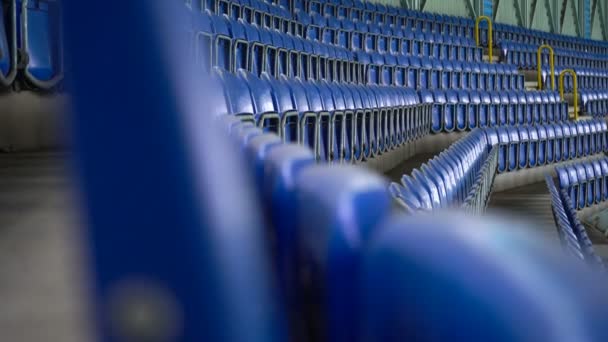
[[561, 89], [551, 65], [479, 19]]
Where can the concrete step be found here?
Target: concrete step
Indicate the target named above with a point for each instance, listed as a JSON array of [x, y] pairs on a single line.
[[495, 59], [529, 75], [531, 85]]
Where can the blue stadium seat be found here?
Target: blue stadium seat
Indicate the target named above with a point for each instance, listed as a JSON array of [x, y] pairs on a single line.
[[40, 43]]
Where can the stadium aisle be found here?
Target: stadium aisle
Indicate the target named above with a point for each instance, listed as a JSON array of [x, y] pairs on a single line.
[[41, 256]]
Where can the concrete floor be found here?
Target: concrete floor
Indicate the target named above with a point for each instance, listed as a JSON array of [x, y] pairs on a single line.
[[530, 202], [42, 282]]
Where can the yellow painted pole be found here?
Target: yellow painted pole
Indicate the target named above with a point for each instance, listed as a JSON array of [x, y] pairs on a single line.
[[479, 19], [575, 83], [551, 65]]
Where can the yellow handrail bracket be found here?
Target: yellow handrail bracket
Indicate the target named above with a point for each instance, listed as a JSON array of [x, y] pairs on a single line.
[[551, 65], [575, 83], [490, 43]]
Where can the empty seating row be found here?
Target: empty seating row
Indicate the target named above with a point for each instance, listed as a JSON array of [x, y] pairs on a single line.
[[341, 123], [525, 56], [337, 242], [586, 78], [461, 110], [585, 182], [594, 102], [357, 35], [516, 34], [427, 73], [232, 45], [530, 146], [455, 177], [572, 233], [258, 12], [386, 15]]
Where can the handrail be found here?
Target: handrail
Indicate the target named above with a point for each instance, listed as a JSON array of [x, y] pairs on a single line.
[[575, 83], [490, 43], [551, 65]]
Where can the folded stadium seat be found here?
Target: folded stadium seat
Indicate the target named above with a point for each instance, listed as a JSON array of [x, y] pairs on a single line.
[[308, 123], [238, 97], [429, 187], [588, 146], [388, 67], [592, 139], [419, 46], [552, 144], [283, 103], [406, 44], [573, 142], [39, 42], [543, 100], [532, 111], [503, 148], [425, 72], [581, 148], [324, 121], [503, 108], [369, 13], [598, 182], [456, 73], [371, 124], [603, 178], [221, 43], [483, 108], [333, 102], [383, 40], [567, 140], [335, 205], [475, 81], [454, 112], [420, 193], [303, 66], [257, 48], [265, 114], [465, 74], [400, 71], [256, 151], [370, 41], [513, 152], [496, 104], [414, 71], [542, 144], [439, 111], [240, 45], [441, 46], [533, 146], [560, 147], [433, 50], [382, 119], [447, 79], [438, 181], [492, 77], [358, 130], [524, 139], [435, 166], [512, 101], [466, 111], [329, 33], [574, 184], [392, 102], [582, 185], [436, 75], [397, 97], [364, 118]]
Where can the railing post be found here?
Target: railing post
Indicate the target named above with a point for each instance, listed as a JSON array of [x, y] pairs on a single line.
[[490, 43], [575, 83], [551, 65]]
